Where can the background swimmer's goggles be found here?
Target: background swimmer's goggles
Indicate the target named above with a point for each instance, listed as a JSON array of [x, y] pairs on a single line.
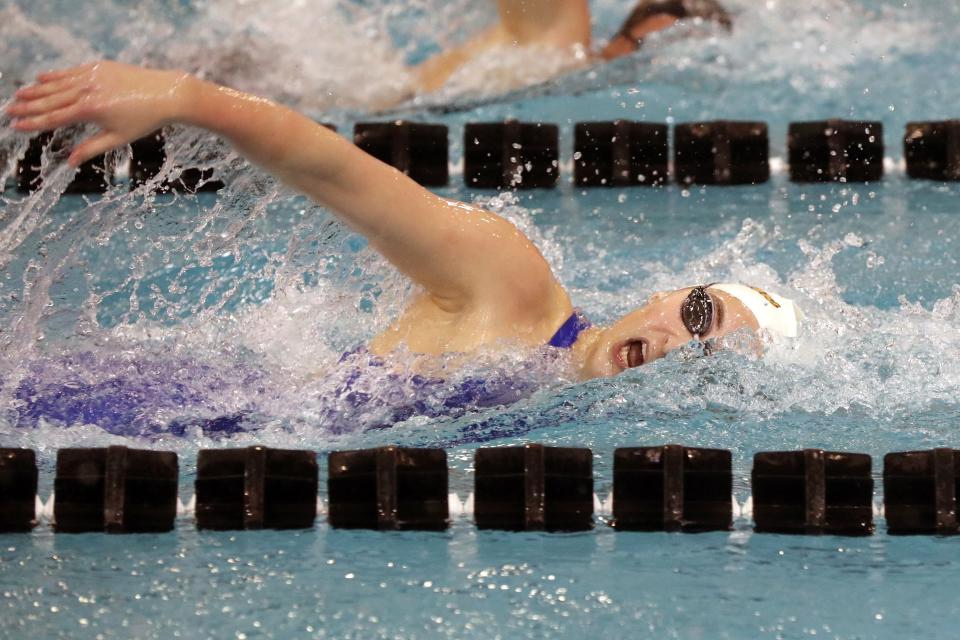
[[697, 311]]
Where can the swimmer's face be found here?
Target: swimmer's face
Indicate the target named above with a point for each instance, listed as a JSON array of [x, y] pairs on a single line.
[[658, 328]]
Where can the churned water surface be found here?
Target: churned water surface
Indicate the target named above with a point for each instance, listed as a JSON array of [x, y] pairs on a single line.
[[179, 310]]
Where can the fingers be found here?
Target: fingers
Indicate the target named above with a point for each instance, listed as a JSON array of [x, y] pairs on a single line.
[[52, 120], [26, 108], [93, 147], [56, 90], [36, 91], [59, 74]]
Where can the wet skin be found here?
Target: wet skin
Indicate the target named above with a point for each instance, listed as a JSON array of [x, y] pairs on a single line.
[[563, 25], [652, 331], [484, 283], [621, 45]]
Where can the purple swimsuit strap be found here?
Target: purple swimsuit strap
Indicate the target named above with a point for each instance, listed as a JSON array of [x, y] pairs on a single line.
[[569, 331]]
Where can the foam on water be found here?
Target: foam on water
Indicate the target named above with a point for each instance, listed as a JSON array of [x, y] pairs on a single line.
[[187, 347], [800, 57], [186, 310], [343, 54], [260, 282]]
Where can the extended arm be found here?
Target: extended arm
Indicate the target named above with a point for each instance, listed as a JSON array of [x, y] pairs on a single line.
[[459, 253]]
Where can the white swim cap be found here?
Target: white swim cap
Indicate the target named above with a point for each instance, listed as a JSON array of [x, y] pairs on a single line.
[[773, 313]]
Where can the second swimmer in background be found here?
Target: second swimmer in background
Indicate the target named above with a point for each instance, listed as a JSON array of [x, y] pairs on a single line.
[[559, 31]]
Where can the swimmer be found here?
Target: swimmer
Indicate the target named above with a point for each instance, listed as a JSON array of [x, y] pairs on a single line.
[[563, 28], [484, 284]]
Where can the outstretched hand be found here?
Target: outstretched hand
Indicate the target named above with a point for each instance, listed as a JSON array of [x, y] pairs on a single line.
[[125, 101]]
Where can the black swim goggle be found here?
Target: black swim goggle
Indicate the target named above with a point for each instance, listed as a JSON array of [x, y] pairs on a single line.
[[697, 311]]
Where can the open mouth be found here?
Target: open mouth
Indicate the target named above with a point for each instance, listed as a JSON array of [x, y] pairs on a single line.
[[632, 353]]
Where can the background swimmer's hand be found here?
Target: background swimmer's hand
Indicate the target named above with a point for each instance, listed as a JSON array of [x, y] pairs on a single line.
[[125, 101]]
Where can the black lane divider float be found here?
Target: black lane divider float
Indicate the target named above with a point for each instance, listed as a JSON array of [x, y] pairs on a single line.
[[91, 176], [18, 490], [256, 488], [148, 156], [835, 151], [920, 491], [672, 488], [812, 492], [115, 489], [511, 155], [417, 149], [533, 488], [388, 488], [619, 153], [932, 150], [721, 152], [523, 488]]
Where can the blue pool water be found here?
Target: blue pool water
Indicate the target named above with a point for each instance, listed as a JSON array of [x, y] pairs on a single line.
[[199, 307]]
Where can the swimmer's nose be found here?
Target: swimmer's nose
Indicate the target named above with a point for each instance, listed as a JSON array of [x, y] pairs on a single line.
[[657, 343]]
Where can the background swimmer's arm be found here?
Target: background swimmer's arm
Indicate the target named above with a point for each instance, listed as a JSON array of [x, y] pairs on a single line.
[[461, 254], [434, 72], [521, 23]]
